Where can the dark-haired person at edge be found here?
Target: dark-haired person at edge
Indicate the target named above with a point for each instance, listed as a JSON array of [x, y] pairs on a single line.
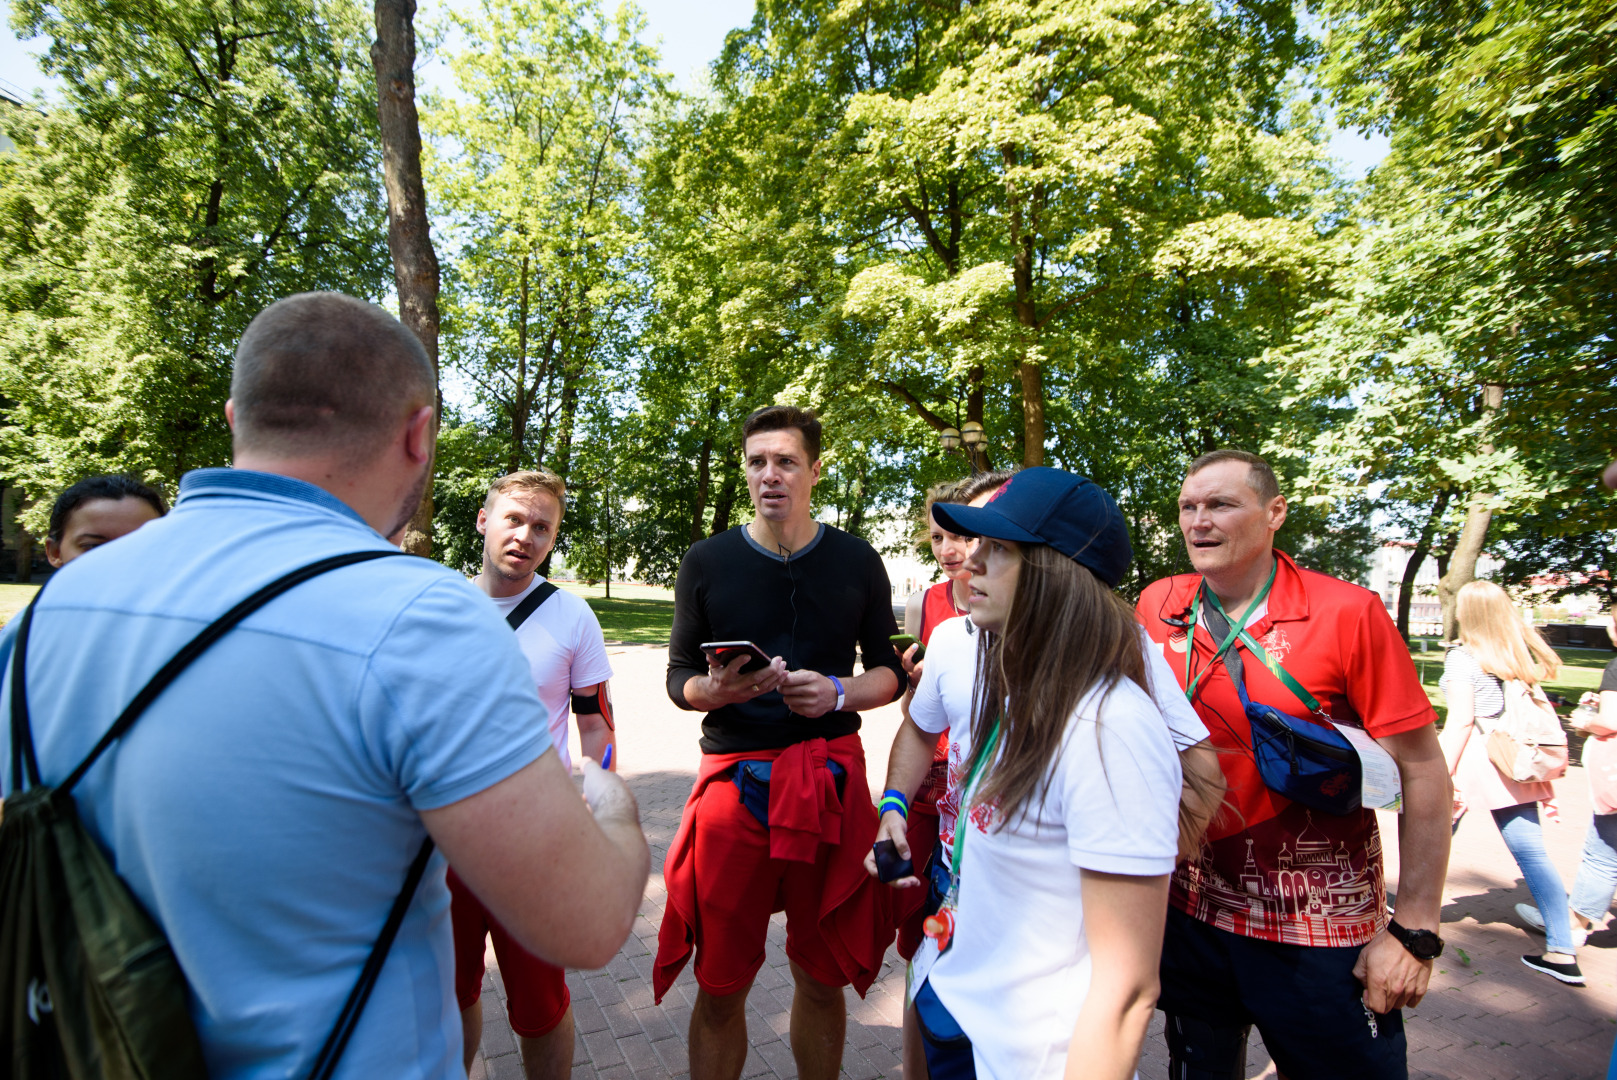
[[941, 701], [1049, 936], [1282, 919], [780, 815], [266, 807], [95, 511]]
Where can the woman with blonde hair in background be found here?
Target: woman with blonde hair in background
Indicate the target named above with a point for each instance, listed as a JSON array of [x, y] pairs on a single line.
[[1496, 646]]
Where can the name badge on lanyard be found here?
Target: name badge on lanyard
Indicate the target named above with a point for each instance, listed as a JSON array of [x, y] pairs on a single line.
[[938, 929]]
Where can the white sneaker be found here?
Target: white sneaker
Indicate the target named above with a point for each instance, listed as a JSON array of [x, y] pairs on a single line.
[[1535, 920]]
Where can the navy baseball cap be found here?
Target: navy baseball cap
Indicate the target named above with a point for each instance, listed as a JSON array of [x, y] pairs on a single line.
[[1071, 513]]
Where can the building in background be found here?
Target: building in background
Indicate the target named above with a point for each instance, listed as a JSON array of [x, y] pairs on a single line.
[[1387, 565]]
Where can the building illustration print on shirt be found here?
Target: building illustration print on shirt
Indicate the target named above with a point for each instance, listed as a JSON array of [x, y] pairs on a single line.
[[1317, 893]]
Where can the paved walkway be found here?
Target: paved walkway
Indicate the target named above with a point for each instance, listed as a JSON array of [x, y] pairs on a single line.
[[1486, 1018]]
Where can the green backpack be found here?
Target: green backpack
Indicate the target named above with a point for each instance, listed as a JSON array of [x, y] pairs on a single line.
[[89, 987]]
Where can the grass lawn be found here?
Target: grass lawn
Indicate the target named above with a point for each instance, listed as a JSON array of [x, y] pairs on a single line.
[[13, 598], [636, 614]]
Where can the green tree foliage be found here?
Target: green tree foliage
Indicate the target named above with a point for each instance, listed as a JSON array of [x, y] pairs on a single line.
[[208, 159], [1468, 343], [534, 172], [1074, 222]]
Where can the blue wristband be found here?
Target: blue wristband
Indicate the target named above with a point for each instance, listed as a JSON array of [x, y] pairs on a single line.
[[893, 799], [841, 697]]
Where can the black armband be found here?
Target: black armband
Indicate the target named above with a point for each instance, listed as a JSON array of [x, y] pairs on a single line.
[[584, 704]]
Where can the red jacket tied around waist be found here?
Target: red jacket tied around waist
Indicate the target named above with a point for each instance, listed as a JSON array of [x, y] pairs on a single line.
[[804, 812]]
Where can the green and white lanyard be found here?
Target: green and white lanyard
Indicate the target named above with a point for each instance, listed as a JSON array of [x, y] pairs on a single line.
[[1238, 631], [963, 816], [934, 944]]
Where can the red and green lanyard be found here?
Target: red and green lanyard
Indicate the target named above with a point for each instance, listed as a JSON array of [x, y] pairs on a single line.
[[1238, 631]]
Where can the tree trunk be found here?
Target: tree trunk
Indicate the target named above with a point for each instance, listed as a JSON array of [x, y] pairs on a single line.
[[704, 481], [725, 504], [1032, 413], [704, 468], [25, 557], [415, 264], [1027, 317], [1423, 546], [1462, 568], [519, 399]]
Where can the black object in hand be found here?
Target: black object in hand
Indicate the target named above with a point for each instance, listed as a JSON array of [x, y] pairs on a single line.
[[890, 865]]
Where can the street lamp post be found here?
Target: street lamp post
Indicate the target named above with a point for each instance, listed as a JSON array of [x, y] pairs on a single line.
[[970, 435]]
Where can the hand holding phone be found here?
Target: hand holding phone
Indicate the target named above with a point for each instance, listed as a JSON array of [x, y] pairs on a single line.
[[720, 653], [902, 642], [890, 865]]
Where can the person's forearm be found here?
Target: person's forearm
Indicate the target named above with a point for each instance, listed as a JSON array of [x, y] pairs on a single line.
[[910, 758], [1424, 831], [1605, 721], [1109, 1035], [701, 695], [1456, 733], [1123, 923], [594, 736], [869, 690]]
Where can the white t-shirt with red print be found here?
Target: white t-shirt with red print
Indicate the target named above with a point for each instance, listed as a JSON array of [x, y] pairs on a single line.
[[942, 702], [1019, 967]]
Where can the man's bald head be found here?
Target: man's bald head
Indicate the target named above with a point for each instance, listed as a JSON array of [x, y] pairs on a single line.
[[322, 372]]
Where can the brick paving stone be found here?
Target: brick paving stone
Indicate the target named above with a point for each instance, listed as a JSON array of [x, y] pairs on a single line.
[[779, 1057], [1486, 1017], [622, 1021], [674, 1054], [587, 1015]]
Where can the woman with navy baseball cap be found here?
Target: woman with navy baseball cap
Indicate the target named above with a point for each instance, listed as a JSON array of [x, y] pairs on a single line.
[[1050, 937]]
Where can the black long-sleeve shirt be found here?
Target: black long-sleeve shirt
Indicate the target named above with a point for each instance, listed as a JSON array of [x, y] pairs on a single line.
[[812, 609]]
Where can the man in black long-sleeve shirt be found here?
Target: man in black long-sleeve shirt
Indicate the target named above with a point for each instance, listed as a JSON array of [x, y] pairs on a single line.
[[806, 594]]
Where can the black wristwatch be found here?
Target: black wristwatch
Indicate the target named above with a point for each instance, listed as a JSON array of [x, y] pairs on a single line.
[[1422, 944]]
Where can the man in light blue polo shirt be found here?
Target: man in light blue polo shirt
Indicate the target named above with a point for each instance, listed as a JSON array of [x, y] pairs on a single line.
[[266, 807]]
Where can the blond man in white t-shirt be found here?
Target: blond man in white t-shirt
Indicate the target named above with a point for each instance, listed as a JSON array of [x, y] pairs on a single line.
[[562, 641]]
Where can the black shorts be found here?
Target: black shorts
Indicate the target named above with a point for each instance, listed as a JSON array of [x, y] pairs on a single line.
[[1304, 1000]]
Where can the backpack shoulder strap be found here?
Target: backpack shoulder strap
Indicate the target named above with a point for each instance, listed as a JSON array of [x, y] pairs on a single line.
[[331, 1053], [169, 671], [22, 736], [531, 603]]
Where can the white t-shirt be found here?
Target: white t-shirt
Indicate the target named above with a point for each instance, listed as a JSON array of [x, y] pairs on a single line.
[[566, 651], [1018, 971], [942, 702]]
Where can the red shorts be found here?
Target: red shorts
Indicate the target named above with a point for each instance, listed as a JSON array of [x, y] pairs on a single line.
[[536, 996], [738, 886]]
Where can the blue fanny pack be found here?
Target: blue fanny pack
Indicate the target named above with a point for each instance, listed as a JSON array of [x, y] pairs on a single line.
[[1307, 763], [751, 779]]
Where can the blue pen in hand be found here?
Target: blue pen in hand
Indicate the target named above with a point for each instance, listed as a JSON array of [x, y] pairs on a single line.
[[606, 758]]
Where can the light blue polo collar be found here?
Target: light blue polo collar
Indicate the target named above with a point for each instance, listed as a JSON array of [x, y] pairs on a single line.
[[201, 483]]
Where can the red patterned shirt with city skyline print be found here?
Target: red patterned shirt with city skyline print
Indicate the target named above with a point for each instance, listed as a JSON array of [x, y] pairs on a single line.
[[1270, 868]]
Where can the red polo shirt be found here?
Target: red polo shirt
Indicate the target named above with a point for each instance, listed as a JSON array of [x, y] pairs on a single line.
[[1272, 868]]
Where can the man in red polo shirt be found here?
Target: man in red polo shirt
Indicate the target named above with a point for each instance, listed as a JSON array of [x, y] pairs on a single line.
[[1282, 921]]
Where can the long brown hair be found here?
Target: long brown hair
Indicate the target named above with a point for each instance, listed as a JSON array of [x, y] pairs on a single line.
[[1066, 634]]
